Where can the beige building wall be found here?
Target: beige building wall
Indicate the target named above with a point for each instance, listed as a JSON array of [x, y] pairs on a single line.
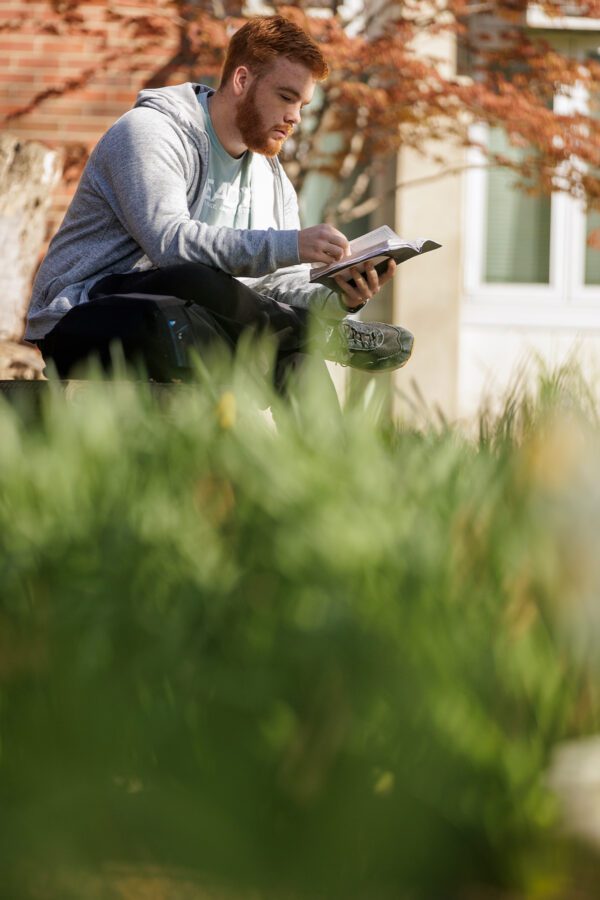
[[427, 292], [495, 358]]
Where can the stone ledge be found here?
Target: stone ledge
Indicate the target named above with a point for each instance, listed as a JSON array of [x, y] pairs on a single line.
[[18, 391]]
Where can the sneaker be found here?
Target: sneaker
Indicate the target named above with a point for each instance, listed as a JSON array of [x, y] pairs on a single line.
[[373, 346]]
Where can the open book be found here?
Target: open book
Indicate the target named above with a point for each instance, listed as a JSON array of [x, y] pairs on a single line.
[[379, 246]]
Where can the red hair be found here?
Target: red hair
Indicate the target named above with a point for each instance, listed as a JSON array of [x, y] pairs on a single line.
[[263, 38]]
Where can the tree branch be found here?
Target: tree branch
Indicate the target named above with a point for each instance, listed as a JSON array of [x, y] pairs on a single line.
[[370, 205]]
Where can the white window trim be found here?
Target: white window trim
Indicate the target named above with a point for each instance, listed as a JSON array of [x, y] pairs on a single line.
[[537, 17]]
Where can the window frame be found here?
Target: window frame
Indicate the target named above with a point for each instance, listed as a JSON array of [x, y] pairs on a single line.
[[537, 17], [565, 299]]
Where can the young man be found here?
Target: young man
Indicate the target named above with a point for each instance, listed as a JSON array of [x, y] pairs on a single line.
[[184, 196]]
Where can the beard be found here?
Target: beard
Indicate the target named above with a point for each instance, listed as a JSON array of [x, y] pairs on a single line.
[[251, 126]]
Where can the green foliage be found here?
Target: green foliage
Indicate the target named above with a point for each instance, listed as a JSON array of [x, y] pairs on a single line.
[[330, 658]]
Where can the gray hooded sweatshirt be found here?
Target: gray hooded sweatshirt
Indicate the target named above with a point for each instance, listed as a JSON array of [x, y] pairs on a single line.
[[131, 212]]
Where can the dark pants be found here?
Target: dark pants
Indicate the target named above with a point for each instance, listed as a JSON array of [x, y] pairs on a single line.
[[229, 308]]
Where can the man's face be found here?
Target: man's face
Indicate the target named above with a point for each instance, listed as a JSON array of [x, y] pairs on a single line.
[[271, 106]]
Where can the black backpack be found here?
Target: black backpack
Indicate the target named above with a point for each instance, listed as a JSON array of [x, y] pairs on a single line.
[[154, 331]]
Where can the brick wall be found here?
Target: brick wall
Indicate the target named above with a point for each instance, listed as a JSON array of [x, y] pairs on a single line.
[[104, 58]]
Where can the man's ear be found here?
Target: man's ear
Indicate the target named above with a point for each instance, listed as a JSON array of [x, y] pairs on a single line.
[[241, 80]]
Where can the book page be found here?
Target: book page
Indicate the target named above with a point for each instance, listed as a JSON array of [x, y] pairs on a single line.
[[372, 239]]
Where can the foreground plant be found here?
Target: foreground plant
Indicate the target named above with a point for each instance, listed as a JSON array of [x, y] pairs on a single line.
[[331, 658]]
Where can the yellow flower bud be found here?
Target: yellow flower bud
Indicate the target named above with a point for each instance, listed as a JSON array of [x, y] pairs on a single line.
[[226, 410]]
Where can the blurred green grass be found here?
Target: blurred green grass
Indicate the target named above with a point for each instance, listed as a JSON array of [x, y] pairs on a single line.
[[328, 658]]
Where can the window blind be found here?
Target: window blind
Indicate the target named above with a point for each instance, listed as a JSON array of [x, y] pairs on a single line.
[[592, 256], [517, 244]]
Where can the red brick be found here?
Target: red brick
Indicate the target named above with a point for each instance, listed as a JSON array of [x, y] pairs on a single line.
[[31, 62], [10, 44], [15, 78]]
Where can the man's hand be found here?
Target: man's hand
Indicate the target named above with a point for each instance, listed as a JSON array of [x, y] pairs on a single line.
[[322, 244], [366, 283]]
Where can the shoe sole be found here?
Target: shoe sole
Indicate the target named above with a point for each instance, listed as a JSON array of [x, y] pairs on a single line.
[[380, 365]]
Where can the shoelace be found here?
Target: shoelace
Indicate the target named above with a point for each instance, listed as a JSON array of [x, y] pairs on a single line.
[[366, 339]]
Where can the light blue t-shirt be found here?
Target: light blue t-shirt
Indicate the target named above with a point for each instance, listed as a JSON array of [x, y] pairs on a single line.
[[227, 196]]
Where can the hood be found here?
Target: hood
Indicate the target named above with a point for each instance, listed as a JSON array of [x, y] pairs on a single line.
[[180, 103]]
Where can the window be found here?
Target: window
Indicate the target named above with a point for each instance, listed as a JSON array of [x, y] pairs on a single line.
[[517, 225], [527, 257], [592, 255]]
